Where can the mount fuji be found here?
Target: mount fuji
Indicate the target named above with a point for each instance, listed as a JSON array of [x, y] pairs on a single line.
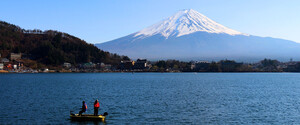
[[189, 35]]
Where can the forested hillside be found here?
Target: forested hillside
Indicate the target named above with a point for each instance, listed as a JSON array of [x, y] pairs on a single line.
[[51, 47]]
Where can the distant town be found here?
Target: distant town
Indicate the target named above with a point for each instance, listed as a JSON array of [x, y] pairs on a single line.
[[15, 64]]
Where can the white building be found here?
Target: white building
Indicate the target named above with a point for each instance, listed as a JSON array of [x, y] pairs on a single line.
[[15, 66], [67, 65], [1, 66]]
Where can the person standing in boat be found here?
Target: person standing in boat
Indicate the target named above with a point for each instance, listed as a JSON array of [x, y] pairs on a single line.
[[96, 107], [83, 109]]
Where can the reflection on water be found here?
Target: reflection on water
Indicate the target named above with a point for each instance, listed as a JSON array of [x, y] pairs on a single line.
[[163, 98]]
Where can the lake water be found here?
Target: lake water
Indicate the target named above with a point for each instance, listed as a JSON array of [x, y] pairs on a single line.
[[150, 98]]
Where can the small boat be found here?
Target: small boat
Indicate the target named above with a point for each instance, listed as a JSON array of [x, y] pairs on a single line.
[[88, 117]]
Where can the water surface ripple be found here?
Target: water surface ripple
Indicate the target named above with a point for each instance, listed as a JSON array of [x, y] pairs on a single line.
[[152, 98]]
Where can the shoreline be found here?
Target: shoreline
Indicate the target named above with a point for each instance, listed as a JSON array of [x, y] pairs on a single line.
[[137, 72]]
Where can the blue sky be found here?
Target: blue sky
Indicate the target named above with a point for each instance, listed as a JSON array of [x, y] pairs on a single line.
[[97, 21]]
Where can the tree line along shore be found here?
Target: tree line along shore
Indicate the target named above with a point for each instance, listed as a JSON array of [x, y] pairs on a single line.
[[33, 51], [143, 65]]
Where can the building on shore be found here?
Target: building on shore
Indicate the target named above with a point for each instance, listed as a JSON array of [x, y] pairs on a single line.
[[4, 60], [104, 67], [89, 65], [67, 65], [15, 56], [44, 70], [107, 67], [1, 66], [15, 66], [140, 64], [127, 65]]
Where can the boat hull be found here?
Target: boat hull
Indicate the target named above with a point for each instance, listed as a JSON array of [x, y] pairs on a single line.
[[87, 117]]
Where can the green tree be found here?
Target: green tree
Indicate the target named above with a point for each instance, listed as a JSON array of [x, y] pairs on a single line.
[[214, 67]]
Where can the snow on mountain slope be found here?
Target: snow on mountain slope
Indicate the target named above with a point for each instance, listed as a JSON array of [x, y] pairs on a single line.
[[183, 23], [190, 35]]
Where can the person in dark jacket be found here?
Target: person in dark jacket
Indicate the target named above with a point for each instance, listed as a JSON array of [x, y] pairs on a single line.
[[96, 107], [83, 109]]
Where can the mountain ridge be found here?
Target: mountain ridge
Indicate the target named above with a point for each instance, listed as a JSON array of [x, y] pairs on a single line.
[[163, 40], [51, 48]]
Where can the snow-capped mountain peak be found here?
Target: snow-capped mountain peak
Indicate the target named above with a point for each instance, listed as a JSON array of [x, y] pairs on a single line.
[[185, 22], [189, 35]]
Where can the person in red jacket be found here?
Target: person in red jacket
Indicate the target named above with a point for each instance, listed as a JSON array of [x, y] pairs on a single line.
[[96, 107]]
